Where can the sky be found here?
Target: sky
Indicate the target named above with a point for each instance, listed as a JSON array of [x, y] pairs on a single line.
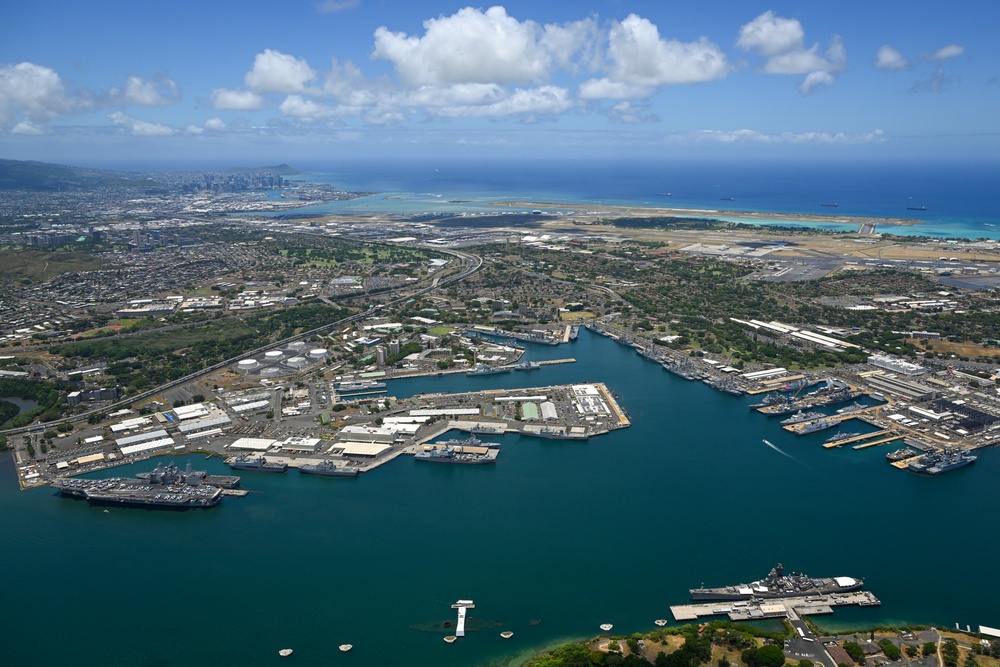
[[286, 80]]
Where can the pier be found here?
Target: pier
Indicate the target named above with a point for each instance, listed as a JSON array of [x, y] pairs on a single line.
[[462, 606], [859, 438], [756, 609]]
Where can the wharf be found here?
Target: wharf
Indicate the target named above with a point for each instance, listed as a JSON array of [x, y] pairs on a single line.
[[861, 437], [836, 418], [235, 492], [752, 610], [552, 362], [874, 443]]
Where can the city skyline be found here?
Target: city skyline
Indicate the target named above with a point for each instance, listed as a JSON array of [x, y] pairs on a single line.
[[350, 79]]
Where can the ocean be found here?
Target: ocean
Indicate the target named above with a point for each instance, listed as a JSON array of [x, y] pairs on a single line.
[[961, 200], [556, 539]]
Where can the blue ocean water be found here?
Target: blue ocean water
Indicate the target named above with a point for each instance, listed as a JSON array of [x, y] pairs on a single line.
[[961, 199], [554, 540]]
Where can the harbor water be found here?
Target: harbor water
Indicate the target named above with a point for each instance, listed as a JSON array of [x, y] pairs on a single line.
[[556, 539]]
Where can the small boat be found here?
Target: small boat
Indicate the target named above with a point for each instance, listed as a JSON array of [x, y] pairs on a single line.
[[831, 205], [606, 627], [346, 647], [285, 652], [506, 634], [450, 639], [660, 622]]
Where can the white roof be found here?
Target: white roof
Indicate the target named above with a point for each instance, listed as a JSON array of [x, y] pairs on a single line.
[[845, 581], [362, 448], [146, 446], [132, 439], [256, 444]]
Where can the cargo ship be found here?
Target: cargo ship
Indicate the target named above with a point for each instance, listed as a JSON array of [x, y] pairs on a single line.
[[779, 585], [256, 464], [167, 487], [328, 468], [937, 463]]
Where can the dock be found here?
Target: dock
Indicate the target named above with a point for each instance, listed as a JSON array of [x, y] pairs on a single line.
[[874, 443], [859, 438], [753, 610], [462, 606]]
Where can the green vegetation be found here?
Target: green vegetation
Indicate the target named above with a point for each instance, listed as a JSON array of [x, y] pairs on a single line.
[[890, 650], [39, 265], [854, 650], [46, 394], [949, 652], [44, 177]]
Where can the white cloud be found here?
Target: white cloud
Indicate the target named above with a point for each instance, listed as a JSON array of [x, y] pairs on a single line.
[[296, 106], [641, 57], [627, 112], [780, 42], [753, 137], [215, 125], [476, 46], [814, 79], [31, 92], [947, 52], [544, 100], [159, 91], [28, 129], [606, 89], [331, 6], [889, 59], [243, 100], [194, 129], [771, 35], [277, 72], [140, 128]]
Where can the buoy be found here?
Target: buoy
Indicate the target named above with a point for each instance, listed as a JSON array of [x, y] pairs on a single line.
[[285, 652], [346, 647], [506, 634]]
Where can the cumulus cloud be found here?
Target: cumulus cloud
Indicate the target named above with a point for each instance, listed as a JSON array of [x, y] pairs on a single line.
[[242, 100], [277, 72], [476, 46], [947, 52], [296, 106], [771, 35], [889, 59], [31, 92], [332, 6], [629, 112], [641, 61], [753, 137], [28, 129], [140, 128], [215, 125], [159, 91], [781, 42]]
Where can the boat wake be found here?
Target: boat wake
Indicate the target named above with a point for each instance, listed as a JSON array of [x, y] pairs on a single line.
[[783, 453]]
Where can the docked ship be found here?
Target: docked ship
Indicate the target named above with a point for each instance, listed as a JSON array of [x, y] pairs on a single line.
[[900, 454], [779, 585], [552, 433], [801, 416], [853, 407], [356, 386], [769, 399], [192, 477], [467, 451], [818, 425], [256, 464], [167, 487], [840, 436], [937, 463], [798, 385], [485, 369], [329, 468], [526, 366]]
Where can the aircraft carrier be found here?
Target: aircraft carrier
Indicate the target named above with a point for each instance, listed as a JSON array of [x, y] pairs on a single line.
[[167, 487]]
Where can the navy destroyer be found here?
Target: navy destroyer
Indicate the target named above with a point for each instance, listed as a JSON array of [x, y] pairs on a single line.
[[779, 585], [468, 451], [937, 463], [801, 416], [484, 369], [256, 464], [167, 487], [328, 468]]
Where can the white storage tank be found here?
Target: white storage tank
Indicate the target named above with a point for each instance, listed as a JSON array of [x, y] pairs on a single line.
[[296, 362], [271, 371], [246, 364], [274, 355], [318, 353]]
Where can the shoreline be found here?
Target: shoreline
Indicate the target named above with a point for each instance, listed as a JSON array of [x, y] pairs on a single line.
[[713, 214]]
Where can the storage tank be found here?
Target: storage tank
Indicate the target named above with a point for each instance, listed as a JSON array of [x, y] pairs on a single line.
[[318, 353], [271, 371], [246, 364], [274, 355], [296, 362]]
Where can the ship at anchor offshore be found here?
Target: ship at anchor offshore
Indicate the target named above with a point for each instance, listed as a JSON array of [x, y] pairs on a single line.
[[779, 585]]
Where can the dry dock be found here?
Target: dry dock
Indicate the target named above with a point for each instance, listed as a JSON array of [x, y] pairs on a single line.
[[751, 610]]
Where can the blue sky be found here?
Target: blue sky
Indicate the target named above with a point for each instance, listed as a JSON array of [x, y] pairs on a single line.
[[287, 80]]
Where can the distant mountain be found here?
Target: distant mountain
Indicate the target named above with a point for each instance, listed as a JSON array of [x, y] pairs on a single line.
[[45, 177], [281, 169]]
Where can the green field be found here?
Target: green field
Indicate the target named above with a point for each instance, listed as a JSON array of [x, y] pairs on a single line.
[[38, 265]]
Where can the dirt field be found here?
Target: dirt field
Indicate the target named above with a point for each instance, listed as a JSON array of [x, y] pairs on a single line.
[[971, 350]]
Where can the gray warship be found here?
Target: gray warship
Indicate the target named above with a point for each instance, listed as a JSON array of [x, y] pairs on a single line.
[[167, 487], [779, 585]]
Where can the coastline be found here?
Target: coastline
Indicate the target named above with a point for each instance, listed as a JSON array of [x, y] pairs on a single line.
[[709, 214]]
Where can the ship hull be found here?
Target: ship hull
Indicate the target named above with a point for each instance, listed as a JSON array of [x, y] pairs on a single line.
[[709, 594]]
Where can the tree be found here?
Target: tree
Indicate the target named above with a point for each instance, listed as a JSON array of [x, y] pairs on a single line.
[[929, 648], [855, 651]]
